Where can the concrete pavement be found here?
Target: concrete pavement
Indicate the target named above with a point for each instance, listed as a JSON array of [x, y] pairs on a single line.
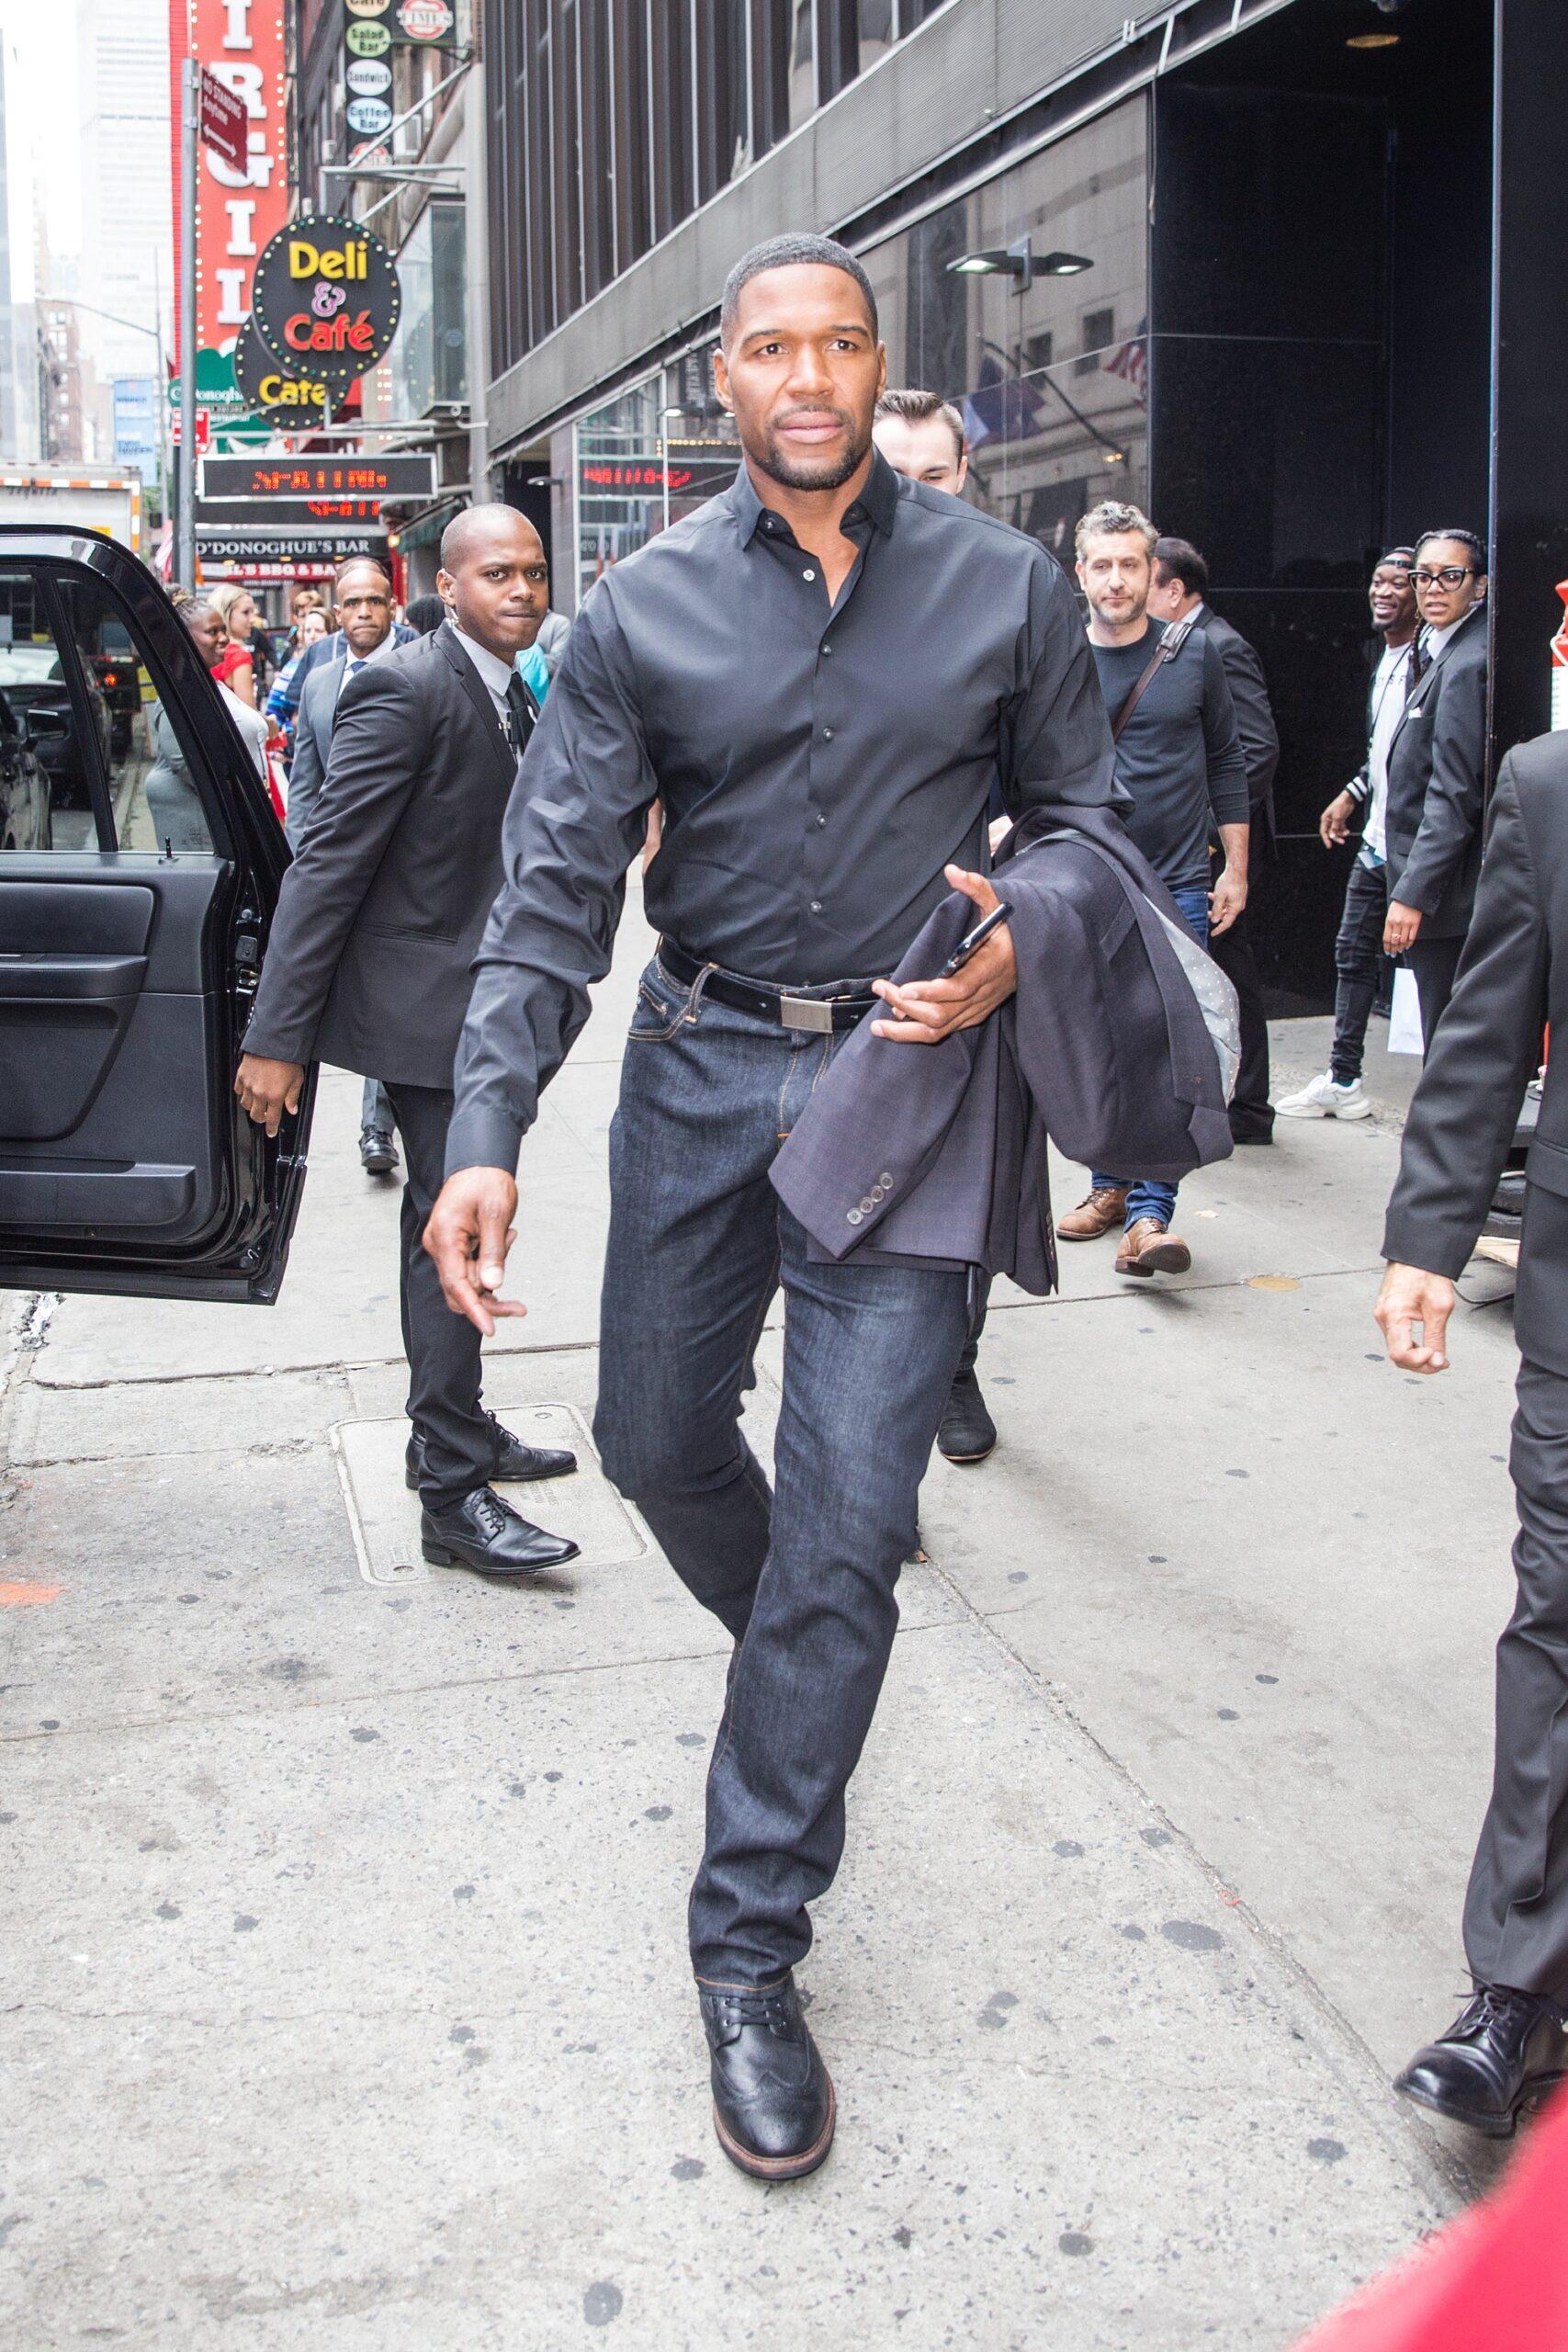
[[347, 2003]]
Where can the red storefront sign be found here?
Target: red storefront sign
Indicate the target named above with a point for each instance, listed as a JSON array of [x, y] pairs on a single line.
[[239, 205]]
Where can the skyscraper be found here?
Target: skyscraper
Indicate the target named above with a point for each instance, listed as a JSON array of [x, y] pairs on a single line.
[[123, 68]]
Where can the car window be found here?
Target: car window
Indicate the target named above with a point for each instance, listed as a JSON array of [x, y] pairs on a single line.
[[47, 774], [156, 805]]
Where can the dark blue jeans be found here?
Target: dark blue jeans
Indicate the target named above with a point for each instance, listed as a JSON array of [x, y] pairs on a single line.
[[805, 1576], [1144, 1196]]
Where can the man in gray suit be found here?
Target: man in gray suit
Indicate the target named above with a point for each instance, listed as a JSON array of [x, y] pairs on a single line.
[[1181, 587], [368, 966], [1507, 2047], [365, 632]]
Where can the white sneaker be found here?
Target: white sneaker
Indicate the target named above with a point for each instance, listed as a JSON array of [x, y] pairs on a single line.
[[1324, 1098]]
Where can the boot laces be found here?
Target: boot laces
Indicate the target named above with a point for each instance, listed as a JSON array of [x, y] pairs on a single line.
[[490, 1513]]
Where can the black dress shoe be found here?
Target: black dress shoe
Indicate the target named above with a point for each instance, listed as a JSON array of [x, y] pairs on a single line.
[[486, 1533], [514, 1460], [1503, 2053], [773, 2097], [377, 1152], [967, 1432]]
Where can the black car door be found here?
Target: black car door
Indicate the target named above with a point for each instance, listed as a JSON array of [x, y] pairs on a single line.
[[135, 914]]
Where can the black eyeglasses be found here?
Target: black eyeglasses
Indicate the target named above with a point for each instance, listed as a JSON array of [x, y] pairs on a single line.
[[1452, 576]]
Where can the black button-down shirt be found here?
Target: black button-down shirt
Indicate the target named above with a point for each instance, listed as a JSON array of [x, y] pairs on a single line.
[[818, 763]]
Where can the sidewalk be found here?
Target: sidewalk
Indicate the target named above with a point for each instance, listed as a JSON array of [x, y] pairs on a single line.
[[347, 2003]]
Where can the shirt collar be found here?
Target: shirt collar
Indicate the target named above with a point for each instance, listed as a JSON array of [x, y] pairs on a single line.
[[1434, 640], [389, 645], [877, 503], [495, 672]]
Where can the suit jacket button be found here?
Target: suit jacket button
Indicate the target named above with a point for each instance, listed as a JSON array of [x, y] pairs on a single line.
[[886, 1179], [853, 1215]]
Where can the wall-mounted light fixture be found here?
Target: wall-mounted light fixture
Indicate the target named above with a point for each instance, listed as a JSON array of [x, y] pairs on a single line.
[[1019, 262]]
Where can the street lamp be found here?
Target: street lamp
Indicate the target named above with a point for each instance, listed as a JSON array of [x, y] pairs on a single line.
[[1018, 262], [676, 410]]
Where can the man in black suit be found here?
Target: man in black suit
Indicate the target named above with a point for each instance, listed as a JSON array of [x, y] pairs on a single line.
[[367, 966], [1508, 2045], [1437, 770], [365, 632], [1181, 587]]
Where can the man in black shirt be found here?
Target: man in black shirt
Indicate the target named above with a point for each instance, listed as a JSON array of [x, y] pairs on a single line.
[[1179, 756], [817, 674]]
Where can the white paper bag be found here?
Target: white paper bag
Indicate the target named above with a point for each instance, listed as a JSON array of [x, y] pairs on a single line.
[[1405, 1021]]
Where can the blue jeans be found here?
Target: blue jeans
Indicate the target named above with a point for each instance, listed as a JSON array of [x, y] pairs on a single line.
[[804, 1576], [1145, 1197]]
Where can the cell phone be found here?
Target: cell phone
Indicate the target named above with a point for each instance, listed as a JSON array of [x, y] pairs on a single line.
[[971, 940]]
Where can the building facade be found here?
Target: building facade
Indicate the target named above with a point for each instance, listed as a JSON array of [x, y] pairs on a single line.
[[1285, 286]]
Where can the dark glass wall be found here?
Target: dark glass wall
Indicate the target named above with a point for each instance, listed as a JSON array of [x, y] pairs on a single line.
[[1318, 363]]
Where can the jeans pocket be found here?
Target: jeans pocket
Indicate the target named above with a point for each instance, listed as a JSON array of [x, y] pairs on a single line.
[[661, 1007]]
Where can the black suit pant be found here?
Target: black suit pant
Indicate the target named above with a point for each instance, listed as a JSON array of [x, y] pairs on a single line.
[[1252, 1114], [443, 1348], [1515, 1913]]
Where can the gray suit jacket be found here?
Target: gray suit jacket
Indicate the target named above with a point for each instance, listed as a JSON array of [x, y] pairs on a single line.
[[1254, 717], [312, 741], [938, 1154], [1513, 980], [381, 911], [1436, 765]]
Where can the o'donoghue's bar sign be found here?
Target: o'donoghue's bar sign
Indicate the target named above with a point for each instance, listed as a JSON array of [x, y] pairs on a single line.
[[325, 294], [406, 479]]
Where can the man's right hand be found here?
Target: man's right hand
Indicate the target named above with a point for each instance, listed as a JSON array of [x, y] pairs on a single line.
[[1334, 824], [469, 1233], [1410, 1296]]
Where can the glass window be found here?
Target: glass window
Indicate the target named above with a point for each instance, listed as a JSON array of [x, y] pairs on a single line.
[[633, 232], [874, 31], [673, 159], [773, 27], [802, 62], [155, 804], [1098, 334], [598, 149], [724, 137], [566, 158], [49, 766], [645, 460]]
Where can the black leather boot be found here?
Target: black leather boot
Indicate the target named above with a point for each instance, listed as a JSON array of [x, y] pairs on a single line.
[[484, 1533], [514, 1460], [967, 1433], [773, 2097], [1503, 2053], [377, 1152]]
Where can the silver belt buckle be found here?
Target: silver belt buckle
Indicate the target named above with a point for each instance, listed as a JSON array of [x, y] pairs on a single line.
[[806, 1013]]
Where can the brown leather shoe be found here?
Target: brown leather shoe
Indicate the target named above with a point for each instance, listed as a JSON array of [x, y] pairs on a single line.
[[1147, 1248], [1105, 1208]]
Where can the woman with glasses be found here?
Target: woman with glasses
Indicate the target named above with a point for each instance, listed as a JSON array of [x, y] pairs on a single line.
[[1435, 770]]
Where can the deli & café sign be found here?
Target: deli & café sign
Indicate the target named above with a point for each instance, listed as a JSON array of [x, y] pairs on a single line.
[[325, 296]]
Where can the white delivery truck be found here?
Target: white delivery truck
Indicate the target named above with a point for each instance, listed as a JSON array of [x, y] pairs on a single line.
[[100, 498]]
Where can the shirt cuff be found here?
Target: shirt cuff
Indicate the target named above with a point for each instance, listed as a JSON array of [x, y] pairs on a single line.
[[482, 1136]]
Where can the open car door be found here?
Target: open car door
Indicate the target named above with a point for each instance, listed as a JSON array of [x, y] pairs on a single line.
[[140, 866]]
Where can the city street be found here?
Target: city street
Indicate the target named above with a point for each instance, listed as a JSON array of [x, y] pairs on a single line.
[[349, 2002]]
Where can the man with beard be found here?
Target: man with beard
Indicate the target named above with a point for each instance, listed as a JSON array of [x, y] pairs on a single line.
[[818, 674]]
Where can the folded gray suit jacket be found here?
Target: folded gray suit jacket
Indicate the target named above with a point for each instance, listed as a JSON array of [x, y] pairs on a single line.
[[923, 1153]]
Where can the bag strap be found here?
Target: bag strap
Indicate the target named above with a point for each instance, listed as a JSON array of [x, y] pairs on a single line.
[[1168, 648]]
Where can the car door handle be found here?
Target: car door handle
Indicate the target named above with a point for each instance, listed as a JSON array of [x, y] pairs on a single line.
[[46, 980]]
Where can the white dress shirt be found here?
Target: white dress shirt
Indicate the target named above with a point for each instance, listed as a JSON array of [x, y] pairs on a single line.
[[1391, 683]]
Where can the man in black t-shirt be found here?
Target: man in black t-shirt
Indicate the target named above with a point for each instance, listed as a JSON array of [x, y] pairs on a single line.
[[1179, 757]]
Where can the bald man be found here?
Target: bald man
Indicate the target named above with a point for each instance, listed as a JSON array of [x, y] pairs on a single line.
[[368, 966]]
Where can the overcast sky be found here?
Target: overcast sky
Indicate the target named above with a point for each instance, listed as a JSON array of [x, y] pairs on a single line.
[[42, 125]]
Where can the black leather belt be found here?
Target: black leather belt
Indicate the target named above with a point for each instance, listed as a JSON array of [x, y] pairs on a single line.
[[822, 1013]]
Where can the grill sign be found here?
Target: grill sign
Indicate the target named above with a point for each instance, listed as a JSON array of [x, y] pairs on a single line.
[[326, 299], [368, 77]]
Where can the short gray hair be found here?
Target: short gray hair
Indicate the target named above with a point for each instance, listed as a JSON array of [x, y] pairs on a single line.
[[789, 251], [1115, 517]]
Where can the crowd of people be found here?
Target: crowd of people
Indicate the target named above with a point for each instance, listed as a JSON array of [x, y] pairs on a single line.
[[858, 830]]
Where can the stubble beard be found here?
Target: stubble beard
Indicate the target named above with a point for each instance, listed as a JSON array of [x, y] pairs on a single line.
[[828, 473]]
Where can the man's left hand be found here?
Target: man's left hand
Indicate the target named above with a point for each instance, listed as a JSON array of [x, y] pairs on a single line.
[[1226, 899], [930, 1010], [1399, 932]]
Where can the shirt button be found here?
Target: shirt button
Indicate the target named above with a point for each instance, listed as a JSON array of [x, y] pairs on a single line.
[[827, 734], [822, 820], [826, 649], [808, 575], [815, 906]]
